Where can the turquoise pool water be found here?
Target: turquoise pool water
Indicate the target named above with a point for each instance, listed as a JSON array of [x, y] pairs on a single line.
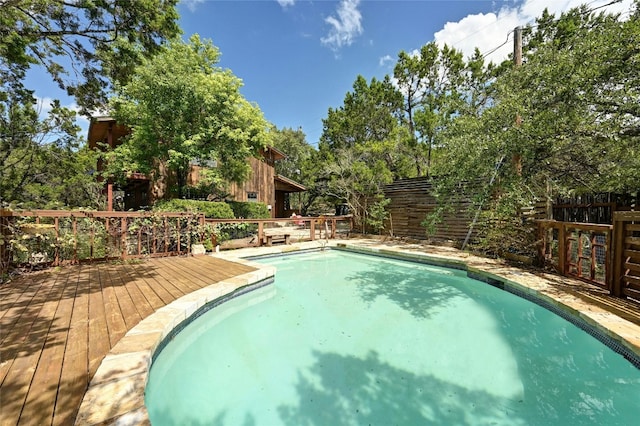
[[347, 339]]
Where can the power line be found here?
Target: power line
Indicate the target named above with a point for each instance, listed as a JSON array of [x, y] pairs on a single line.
[[484, 55]]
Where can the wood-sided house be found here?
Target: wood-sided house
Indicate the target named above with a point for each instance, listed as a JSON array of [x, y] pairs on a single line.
[[263, 185]]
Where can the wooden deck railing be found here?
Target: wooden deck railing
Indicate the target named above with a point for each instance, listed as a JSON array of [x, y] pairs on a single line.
[[262, 231], [605, 255], [57, 237], [579, 250]]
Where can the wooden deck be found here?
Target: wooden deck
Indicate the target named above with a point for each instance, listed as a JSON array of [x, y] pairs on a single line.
[[56, 326]]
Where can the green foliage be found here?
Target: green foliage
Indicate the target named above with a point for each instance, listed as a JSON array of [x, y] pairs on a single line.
[[377, 215], [577, 130], [84, 238], [300, 165], [249, 210], [41, 162], [100, 40], [294, 145], [182, 108], [210, 209], [232, 231], [363, 146]]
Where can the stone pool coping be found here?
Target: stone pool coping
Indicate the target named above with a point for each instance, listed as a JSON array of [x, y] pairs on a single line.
[[116, 392]]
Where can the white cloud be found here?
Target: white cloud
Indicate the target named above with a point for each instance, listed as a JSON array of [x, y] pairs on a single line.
[[192, 5], [286, 3], [385, 60], [346, 27], [488, 31]]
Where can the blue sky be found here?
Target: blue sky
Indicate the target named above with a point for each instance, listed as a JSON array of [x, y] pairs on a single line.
[[298, 58]]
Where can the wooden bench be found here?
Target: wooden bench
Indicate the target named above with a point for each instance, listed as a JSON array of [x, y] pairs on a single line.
[[269, 240]]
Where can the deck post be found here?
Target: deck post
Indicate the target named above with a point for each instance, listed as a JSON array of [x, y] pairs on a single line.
[[618, 247], [562, 249], [260, 233], [608, 261], [5, 234], [123, 237], [312, 228]]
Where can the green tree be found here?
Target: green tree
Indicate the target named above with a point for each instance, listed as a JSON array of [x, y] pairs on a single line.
[[363, 146], [294, 145], [578, 97], [41, 162], [85, 46], [100, 41], [578, 129], [182, 109], [299, 164], [438, 86], [370, 117]]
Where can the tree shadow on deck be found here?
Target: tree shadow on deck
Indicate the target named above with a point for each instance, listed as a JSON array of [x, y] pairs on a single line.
[[46, 303]]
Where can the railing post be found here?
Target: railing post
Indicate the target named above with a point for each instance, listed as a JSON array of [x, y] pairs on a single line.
[[618, 249], [123, 237], [56, 223], [189, 235], [75, 240], [312, 229], [542, 245], [201, 222], [5, 234], [562, 249], [260, 233], [608, 260]]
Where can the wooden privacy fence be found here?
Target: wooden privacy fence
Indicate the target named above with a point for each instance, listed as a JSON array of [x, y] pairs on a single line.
[[605, 255], [412, 200], [593, 208]]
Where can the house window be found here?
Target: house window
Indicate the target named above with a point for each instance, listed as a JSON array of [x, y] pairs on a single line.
[[252, 196]]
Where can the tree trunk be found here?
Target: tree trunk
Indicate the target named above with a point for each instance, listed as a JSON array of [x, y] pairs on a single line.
[[159, 182]]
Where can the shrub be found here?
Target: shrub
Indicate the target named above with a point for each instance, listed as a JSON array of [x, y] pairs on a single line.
[[211, 209], [249, 210]]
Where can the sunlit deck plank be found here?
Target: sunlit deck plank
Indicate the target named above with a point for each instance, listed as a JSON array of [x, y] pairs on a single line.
[[36, 328], [98, 339], [58, 326]]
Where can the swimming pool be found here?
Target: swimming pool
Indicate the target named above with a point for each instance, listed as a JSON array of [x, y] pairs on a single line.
[[342, 338]]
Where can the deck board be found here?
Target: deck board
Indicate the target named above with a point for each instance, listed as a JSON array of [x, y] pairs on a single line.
[[57, 326]]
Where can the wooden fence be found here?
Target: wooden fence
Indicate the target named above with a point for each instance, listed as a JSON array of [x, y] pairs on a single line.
[[605, 255], [58, 237], [626, 256], [412, 200], [234, 233], [579, 250], [593, 208]]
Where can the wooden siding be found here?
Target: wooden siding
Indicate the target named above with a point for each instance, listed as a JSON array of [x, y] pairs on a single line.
[[261, 181]]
